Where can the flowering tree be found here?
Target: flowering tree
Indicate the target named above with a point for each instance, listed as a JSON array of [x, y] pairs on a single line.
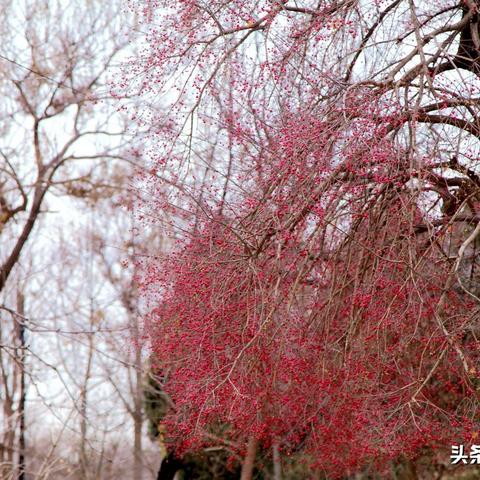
[[320, 160]]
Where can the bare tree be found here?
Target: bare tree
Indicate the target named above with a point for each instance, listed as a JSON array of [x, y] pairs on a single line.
[[62, 137]]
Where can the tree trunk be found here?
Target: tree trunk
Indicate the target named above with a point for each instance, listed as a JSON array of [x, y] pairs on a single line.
[[83, 407], [137, 413], [277, 465], [405, 470], [249, 460], [21, 403]]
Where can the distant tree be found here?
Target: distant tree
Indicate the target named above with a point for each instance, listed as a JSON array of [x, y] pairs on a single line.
[[61, 138]]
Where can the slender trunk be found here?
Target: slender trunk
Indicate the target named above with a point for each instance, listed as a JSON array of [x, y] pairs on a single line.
[[131, 306], [277, 464], [84, 462], [21, 403], [7, 446], [249, 460], [137, 447], [83, 433], [7, 431], [137, 413]]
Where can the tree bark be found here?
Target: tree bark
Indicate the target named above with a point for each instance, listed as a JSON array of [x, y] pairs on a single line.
[[138, 411], [11, 260], [277, 464], [83, 407], [249, 460], [21, 403]]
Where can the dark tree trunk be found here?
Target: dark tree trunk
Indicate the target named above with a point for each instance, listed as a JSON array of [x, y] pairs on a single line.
[[468, 53], [21, 403], [169, 467]]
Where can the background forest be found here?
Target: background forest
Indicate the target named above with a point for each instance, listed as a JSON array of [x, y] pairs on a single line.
[[239, 239]]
